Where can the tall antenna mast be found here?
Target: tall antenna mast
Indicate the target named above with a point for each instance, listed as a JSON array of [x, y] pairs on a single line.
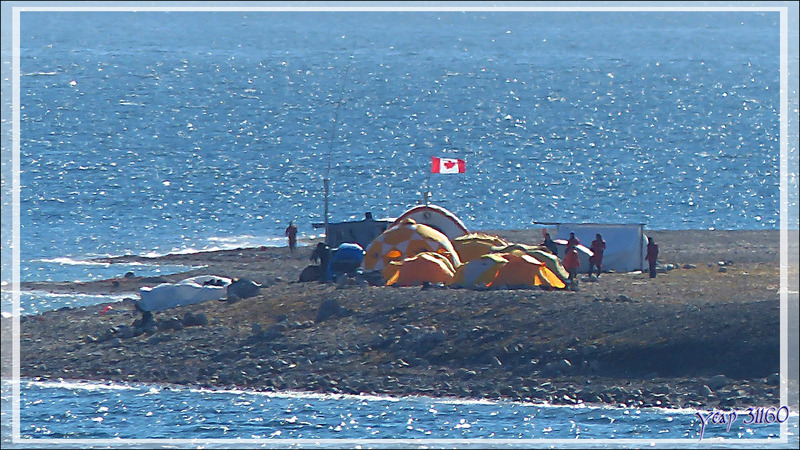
[[326, 180]]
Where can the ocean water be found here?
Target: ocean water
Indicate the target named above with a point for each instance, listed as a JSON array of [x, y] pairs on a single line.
[[156, 132]]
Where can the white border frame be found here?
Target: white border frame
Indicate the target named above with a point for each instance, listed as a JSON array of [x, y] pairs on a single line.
[[784, 203]]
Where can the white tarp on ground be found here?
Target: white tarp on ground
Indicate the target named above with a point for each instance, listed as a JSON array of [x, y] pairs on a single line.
[[626, 244], [186, 292]]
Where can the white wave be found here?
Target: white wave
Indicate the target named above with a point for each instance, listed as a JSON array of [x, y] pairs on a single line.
[[72, 262], [221, 243], [106, 297], [79, 385], [33, 74]]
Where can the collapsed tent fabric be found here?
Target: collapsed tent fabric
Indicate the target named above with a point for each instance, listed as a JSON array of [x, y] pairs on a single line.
[[186, 292], [406, 240], [475, 245], [437, 218], [424, 267], [480, 272]]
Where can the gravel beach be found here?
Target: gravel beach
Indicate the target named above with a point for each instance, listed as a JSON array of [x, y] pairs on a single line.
[[704, 334]]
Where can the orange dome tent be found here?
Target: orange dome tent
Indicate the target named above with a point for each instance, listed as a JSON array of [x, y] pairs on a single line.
[[406, 240]]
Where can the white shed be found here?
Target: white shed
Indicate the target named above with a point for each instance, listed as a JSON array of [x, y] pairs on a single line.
[[626, 243]]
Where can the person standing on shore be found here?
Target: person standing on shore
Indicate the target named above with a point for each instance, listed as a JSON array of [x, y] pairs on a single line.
[[549, 244], [596, 260], [652, 256], [291, 233], [571, 261]]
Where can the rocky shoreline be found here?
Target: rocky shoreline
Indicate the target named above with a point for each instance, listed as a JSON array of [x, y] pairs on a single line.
[[703, 334]]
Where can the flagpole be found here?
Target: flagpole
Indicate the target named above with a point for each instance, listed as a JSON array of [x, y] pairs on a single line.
[[428, 186]]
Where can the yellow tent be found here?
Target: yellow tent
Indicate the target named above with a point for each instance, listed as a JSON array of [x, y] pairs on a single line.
[[550, 260], [475, 245], [479, 272], [523, 270], [427, 266], [406, 240]]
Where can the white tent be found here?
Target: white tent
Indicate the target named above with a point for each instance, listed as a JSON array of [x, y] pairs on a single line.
[[626, 244]]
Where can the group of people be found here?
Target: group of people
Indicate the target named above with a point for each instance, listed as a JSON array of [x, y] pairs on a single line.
[[598, 246]]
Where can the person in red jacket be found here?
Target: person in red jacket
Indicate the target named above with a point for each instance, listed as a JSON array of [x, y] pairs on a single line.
[[291, 233], [652, 256], [571, 261], [596, 260]]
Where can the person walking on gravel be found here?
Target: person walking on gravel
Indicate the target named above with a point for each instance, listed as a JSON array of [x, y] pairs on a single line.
[[596, 260], [652, 256], [291, 233], [571, 261]]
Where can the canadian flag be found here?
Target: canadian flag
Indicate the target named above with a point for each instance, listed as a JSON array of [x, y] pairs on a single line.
[[448, 165]]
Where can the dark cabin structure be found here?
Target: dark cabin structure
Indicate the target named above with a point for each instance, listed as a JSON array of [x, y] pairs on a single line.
[[361, 232]]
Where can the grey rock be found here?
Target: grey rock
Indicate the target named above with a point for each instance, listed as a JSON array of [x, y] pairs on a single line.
[[124, 332], [773, 379], [243, 288], [194, 320], [555, 368], [330, 308], [327, 309], [172, 323], [663, 389], [717, 382], [312, 273], [465, 373], [428, 341]]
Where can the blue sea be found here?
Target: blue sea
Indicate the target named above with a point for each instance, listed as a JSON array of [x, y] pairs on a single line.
[[156, 132]]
